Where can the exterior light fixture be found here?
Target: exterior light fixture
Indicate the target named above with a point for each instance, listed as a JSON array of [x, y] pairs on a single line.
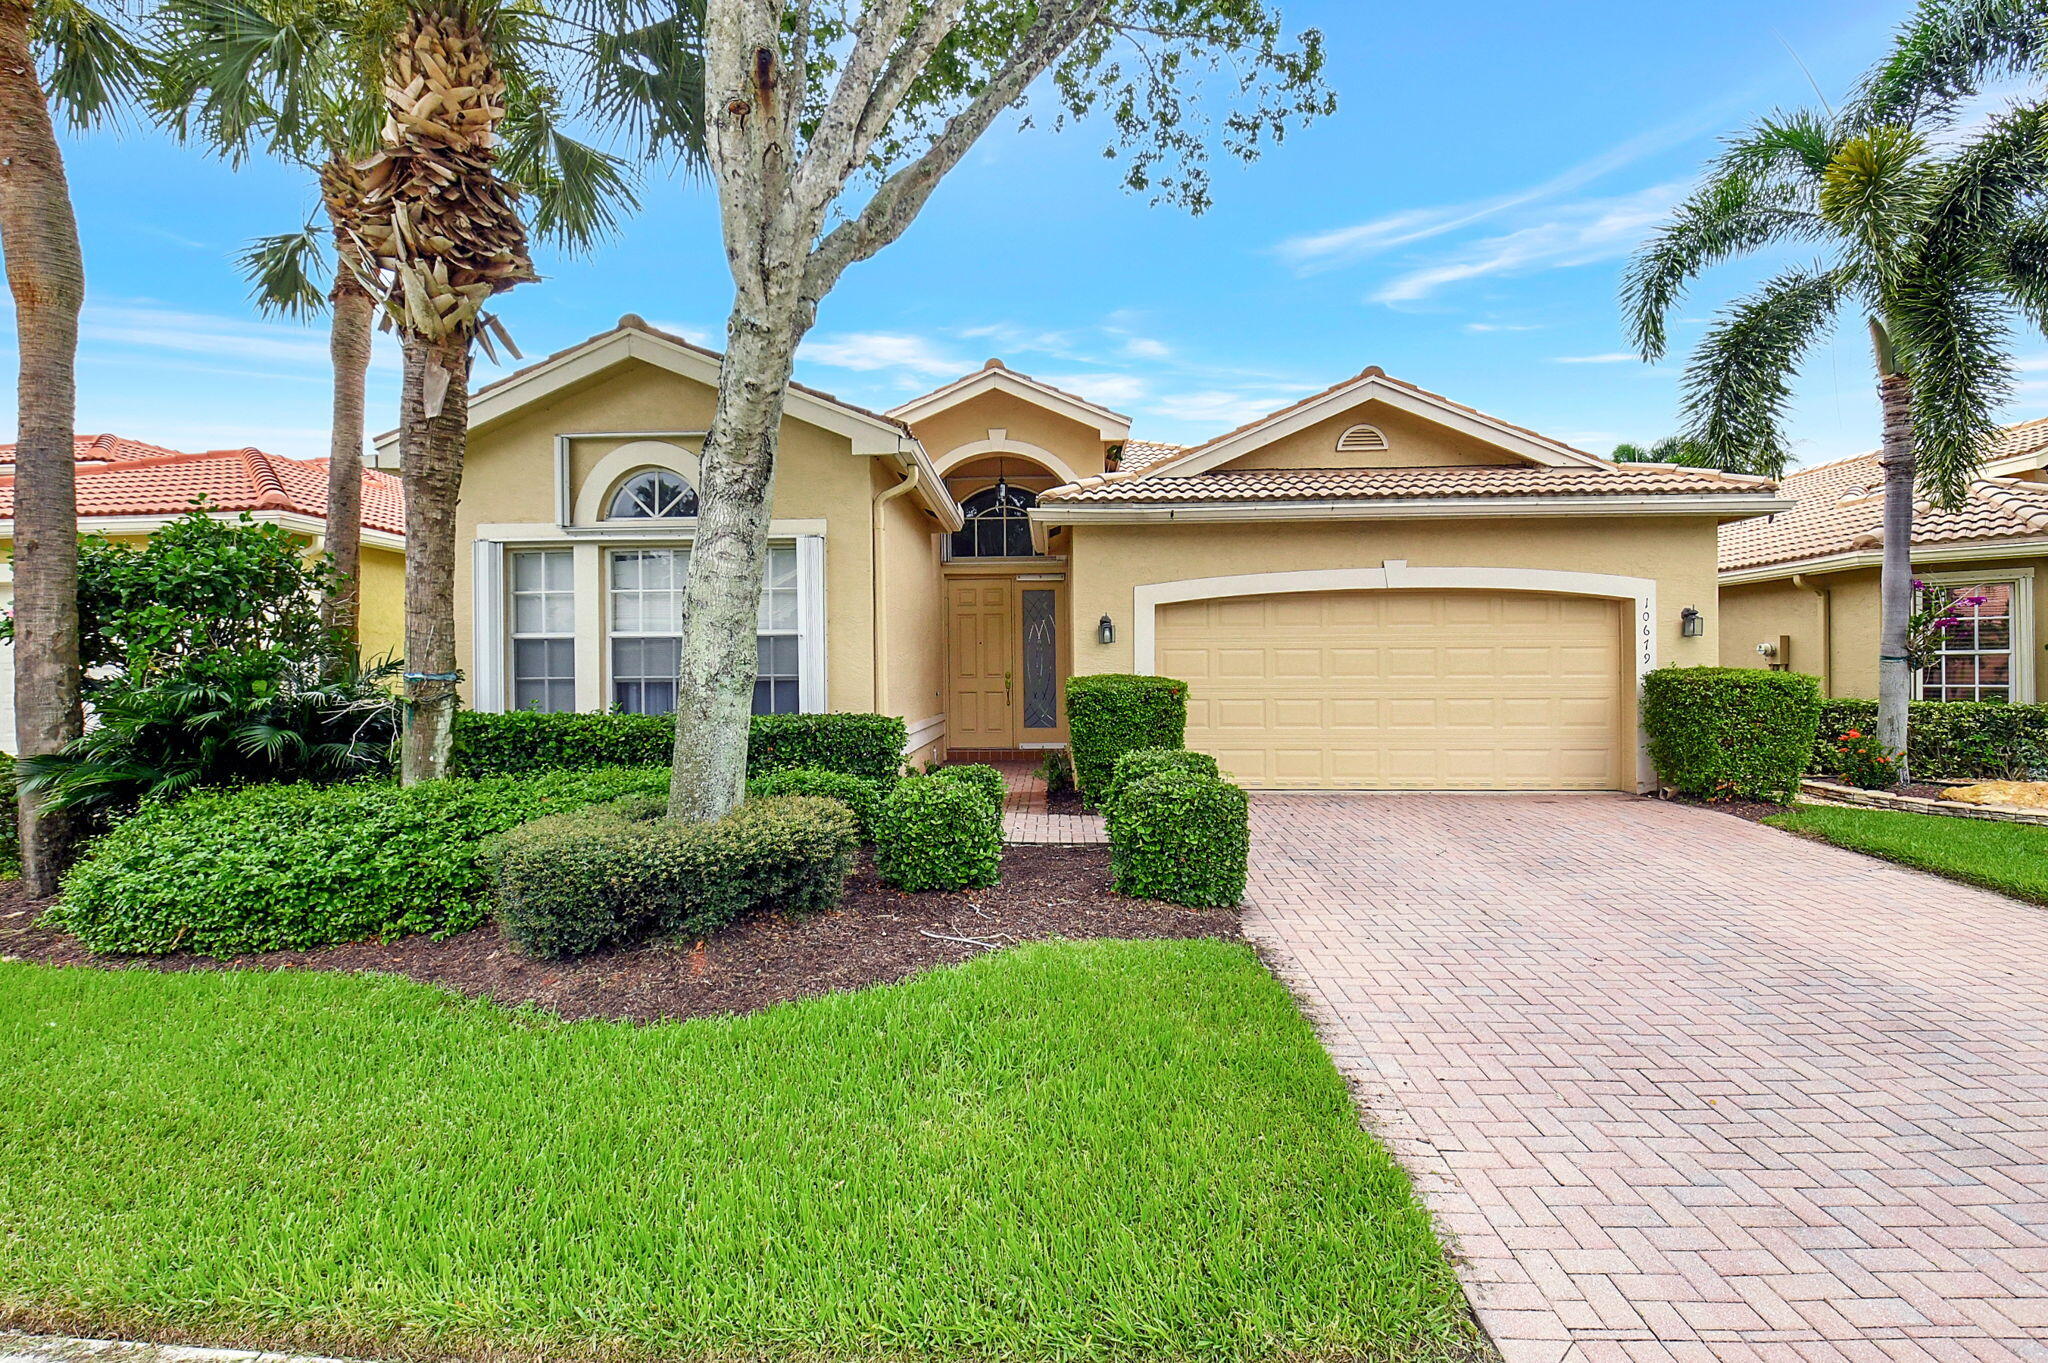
[[1105, 630], [1691, 623]]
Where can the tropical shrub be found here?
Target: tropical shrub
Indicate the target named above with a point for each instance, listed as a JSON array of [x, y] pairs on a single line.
[[1111, 713], [1180, 836], [857, 793], [980, 777], [1139, 763], [10, 820], [1862, 761], [868, 746], [935, 834], [1056, 769], [1731, 732], [1950, 740], [574, 883], [288, 867]]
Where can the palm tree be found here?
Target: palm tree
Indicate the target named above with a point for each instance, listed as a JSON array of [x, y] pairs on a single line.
[[1672, 449], [72, 58], [1922, 244]]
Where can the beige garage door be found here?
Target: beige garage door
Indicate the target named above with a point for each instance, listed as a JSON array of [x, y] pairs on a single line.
[[1442, 690]]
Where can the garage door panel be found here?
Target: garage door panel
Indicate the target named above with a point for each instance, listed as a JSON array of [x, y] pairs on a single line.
[[1404, 690]]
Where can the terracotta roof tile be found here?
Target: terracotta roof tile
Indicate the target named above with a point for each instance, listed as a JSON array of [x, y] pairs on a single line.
[[102, 449], [233, 480], [1143, 454], [1841, 510], [1485, 480]]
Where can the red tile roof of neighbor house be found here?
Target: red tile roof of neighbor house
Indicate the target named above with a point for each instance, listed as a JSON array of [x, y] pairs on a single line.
[[1365, 484], [232, 480], [1841, 510], [101, 449]]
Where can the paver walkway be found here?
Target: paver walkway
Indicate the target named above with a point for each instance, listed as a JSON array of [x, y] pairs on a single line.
[[1680, 1086], [1027, 819]]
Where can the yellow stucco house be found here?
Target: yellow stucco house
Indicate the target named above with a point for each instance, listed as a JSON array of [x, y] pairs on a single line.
[[1799, 588], [128, 489], [1374, 588]]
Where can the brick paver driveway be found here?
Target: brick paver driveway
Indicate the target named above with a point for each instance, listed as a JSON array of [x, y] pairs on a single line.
[[1677, 1085]]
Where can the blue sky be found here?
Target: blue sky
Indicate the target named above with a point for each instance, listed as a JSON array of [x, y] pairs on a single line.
[[1461, 221]]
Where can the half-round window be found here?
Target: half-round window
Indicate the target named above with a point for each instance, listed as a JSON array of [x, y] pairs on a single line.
[[653, 494], [997, 526]]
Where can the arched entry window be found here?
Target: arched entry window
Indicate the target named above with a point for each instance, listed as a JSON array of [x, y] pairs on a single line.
[[652, 494], [996, 524]]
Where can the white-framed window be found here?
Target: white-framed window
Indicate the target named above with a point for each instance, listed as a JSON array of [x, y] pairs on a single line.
[[543, 630], [653, 494], [1985, 654], [645, 587]]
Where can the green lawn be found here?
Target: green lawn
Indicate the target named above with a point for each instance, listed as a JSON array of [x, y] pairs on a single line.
[[1110, 1150], [2009, 857]]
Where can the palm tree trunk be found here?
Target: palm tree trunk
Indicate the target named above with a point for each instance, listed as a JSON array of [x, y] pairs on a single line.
[[1895, 581], [353, 315], [431, 447], [46, 273]]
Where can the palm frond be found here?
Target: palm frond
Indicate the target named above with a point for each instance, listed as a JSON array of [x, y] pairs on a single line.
[[1791, 147], [1875, 190], [647, 77], [1944, 54], [287, 272], [1949, 331], [1738, 384], [2021, 261], [578, 193], [94, 64], [1729, 215]]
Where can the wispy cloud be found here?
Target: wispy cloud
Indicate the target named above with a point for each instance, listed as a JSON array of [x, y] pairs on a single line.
[[1483, 327], [1218, 409], [145, 326], [1572, 234], [1146, 348], [879, 351], [690, 332], [1111, 390], [1611, 357]]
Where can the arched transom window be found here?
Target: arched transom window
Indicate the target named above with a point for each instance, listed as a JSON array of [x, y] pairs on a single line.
[[653, 494], [997, 526]]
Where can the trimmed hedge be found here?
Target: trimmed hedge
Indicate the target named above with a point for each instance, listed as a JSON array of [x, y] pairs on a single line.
[[523, 741], [1182, 837], [1948, 740], [934, 834], [289, 867], [575, 883], [857, 793], [980, 777], [1139, 763], [1717, 732], [1109, 714]]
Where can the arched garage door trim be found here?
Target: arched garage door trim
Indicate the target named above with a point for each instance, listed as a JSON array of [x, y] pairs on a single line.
[[1396, 575]]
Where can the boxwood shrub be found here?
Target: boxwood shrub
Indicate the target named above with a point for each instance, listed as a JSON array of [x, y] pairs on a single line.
[[1139, 763], [1180, 836], [857, 793], [1948, 740], [1110, 714], [980, 777], [869, 746], [935, 834], [1720, 732], [574, 883], [289, 867]]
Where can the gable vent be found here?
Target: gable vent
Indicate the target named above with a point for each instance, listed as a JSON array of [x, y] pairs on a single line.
[[1361, 438]]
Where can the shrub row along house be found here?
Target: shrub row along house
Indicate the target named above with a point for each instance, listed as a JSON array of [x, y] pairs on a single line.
[[1375, 587], [128, 490]]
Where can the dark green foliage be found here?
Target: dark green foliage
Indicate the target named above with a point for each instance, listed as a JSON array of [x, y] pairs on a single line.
[[1182, 837], [575, 883], [10, 820], [1056, 769], [1863, 761], [934, 834], [286, 867], [981, 777], [1950, 740], [1731, 732], [857, 793], [868, 746], [1139, 763], [1111, 713]]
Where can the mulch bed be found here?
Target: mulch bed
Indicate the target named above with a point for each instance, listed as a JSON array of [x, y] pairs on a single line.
[[1756, 811], [878, 935]]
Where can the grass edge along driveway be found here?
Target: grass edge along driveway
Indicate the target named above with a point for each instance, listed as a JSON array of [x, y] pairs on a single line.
[[1098, 1150], [2011, 858]]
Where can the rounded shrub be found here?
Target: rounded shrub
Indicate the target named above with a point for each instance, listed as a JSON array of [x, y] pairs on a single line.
[[1731, 732], [857, 793], [1109, 714], [938, 835], [1139, 763], [526, 741], [1182, 837], [980, 777]]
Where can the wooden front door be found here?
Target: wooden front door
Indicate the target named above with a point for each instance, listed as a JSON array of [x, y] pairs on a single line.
[[983, 643]]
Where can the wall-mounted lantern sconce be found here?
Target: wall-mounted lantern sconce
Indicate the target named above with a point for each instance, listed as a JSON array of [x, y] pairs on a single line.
[[1691, 623], [1105, 632]]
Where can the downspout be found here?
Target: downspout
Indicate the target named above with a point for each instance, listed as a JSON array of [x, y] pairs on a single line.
[[1827, 630], [912, 477]]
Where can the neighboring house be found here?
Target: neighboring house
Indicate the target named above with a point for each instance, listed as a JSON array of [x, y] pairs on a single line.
[[127, 490], [1374, 588], [1799, 589]]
